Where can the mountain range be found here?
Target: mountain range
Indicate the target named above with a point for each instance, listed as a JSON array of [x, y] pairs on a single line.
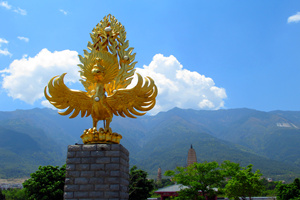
[[268, 140]]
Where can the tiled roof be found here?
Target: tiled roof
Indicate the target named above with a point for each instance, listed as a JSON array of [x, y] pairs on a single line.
[[172, 188]]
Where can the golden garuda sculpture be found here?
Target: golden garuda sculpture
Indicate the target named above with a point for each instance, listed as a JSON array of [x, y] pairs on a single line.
[[106, 70]]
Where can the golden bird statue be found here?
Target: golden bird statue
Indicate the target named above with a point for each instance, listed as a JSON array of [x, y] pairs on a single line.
[[106, 71]]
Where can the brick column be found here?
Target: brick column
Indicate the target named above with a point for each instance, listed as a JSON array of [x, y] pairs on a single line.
[[97, 171]]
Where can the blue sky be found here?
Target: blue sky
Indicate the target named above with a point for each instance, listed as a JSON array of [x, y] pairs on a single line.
[[202, 54]]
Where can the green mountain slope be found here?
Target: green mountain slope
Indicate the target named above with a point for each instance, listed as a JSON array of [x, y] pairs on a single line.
[[268, 140]]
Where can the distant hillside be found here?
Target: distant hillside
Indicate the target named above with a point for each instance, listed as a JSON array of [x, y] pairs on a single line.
[[268, 140]]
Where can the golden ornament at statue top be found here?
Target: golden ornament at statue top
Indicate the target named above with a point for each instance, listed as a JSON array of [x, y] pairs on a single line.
[[106, 71]]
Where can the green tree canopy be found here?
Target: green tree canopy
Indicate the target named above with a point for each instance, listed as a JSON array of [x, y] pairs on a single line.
[[139, 186], [47, 183], [244, 184], [288, 191], [203, 177]]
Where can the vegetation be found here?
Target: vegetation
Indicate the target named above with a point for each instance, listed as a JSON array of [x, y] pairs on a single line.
[[46, 184], [244, 183], [13, 194], [289, 191], [208, 178], [139, 186], [200, 177]]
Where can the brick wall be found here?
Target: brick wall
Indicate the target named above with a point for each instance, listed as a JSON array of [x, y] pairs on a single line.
[[97, 171]]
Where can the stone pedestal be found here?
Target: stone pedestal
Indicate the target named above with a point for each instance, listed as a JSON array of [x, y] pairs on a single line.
[[97, 171]]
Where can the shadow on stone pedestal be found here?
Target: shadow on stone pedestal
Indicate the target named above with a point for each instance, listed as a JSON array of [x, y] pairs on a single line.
[[97, 171]]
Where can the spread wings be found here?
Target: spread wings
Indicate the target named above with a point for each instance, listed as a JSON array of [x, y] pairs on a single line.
[[131, 101], [62, 97]]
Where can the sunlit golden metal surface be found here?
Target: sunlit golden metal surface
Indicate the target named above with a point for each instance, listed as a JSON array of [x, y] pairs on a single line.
[[107, 68]]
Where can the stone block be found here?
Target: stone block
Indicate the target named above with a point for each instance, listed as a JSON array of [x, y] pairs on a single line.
[[87, 174], [111, 194], [112, 167], [70, 167], [103, 160], [95, 180], [68, 195], [115, 173], [112, 153], [97, 153], [81, 181], [102, 174], [111, 180], [88, 160], [82, 167], [115, 160], [69, 181], [73, 160], [72, 174], [88, 187], [74, 148], [103, 147], [97, 167], [114, 187], [71, 154], [89, 147], [81, 194], [97, 194], [102, 187], [115, 147], [70, 188], [80, 154]]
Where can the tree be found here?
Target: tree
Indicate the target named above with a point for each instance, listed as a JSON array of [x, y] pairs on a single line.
[[47, 183], [203, 177], [139, 186], [244, 184], [288, 191], [14, 194], [2, 196]]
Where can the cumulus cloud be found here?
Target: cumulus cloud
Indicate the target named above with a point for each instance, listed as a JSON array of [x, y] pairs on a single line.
[[63, 11], [294, 18], [26, 78], [25, 39], [9, 7], [179, 87]]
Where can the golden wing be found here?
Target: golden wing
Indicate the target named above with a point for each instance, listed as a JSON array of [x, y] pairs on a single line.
[[130, 101], [62, 97]]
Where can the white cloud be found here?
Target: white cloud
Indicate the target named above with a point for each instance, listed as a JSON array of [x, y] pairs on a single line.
[[4, 41], [26, 78], [4, 52], [9, 7], [179, 87], [63, 11], [294, 18], [25, 39], [20, 11], [5, 5]]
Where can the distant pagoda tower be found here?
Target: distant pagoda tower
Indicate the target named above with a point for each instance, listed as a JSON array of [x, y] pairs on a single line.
[[192, 158], [158, 175]]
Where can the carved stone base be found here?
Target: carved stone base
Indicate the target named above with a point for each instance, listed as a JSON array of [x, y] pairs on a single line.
[[97, 171]]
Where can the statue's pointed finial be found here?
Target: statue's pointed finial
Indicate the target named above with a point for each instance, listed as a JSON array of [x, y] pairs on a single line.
[[191, 146]]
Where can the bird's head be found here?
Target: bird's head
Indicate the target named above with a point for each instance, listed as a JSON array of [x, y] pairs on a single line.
[[98, 72]]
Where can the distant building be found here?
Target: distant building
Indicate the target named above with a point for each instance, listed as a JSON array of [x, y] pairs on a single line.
[[158, 180], [192, 158]]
